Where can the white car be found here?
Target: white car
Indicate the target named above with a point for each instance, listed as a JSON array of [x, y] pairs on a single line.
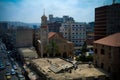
[[13, 72], [20, 76], [15, 67]]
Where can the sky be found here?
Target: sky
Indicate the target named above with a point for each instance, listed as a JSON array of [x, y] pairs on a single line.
[[30, 11]]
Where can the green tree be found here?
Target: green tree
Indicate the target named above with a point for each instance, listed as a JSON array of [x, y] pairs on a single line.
[[84, 48], [82, 57]]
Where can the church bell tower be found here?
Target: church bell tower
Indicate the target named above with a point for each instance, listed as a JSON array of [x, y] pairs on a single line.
[[43, 34]]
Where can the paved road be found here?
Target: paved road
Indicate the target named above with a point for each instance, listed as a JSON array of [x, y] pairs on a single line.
[[4, 59]]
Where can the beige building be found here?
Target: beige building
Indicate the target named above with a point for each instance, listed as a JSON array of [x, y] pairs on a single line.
[[57, 47], [23, 38], [107, 54]]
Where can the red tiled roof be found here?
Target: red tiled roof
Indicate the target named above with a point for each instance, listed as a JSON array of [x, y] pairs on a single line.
[[51, 34], [112, 40]]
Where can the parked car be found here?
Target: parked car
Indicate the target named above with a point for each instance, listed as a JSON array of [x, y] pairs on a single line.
[[2, 66], [7, 63], [8, 76], [13, 72], [20, 76], [15, 67]]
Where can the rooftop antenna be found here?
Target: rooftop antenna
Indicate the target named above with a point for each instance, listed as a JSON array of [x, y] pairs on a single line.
[[44, 11]]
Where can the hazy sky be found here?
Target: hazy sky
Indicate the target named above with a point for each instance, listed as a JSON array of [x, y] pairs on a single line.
[[31, 10]]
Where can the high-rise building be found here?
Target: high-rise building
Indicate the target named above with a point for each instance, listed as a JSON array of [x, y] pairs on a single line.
[[74, 32], [107, 20], [90, 33], [53, 19], [54, 23], [54, 27]]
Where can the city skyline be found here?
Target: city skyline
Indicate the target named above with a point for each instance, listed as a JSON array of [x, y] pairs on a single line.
[[30, 11]]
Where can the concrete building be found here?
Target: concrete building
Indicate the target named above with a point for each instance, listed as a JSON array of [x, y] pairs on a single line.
[[3, 28], [57, 46], [74, 32], [53, 19], [54, 27], [59, 69], [90, 33], [107, 20], [54, 23], [107, 54], [23, 38]]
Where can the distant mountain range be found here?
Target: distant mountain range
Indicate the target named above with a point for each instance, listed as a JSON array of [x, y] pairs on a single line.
[[18, 24]]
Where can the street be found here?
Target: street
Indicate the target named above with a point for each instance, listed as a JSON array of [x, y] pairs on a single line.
[[9, 69]]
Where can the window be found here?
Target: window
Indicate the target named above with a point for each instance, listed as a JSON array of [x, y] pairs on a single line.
[[102, 65], [102, 51], [109, 54], [109, 48], [95, 51], [109, 69]]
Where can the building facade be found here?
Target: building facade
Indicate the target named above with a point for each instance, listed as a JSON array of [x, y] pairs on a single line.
[[23, 38], [53, 19], [74, 32], [54, 27], [107, 55], [90, 33], [107, 20]]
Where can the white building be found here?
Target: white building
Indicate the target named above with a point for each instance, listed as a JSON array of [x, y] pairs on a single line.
[[74, 32]]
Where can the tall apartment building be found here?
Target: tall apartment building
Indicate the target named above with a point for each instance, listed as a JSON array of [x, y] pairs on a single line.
[[54, 23], [58, 19], [74, 32], [54, 27], [107, 20], [90, 33]]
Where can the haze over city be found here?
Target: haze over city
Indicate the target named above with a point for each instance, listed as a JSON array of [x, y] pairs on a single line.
[[31, 10]]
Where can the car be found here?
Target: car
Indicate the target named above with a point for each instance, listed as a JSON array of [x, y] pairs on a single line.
[[2, 66], [20, 76], [13, 72], [15, 67], [7, 63], [8, 76]]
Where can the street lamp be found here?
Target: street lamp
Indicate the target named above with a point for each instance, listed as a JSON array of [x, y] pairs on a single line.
[[41, 47]]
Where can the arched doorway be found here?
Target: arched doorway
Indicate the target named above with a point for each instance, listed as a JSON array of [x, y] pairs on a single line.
[[65, 55], [102, 65], [57, 55]]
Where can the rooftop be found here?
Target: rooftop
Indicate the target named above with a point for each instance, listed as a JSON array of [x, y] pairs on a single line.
[[111, 40], [51, 67], [28, 52]]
